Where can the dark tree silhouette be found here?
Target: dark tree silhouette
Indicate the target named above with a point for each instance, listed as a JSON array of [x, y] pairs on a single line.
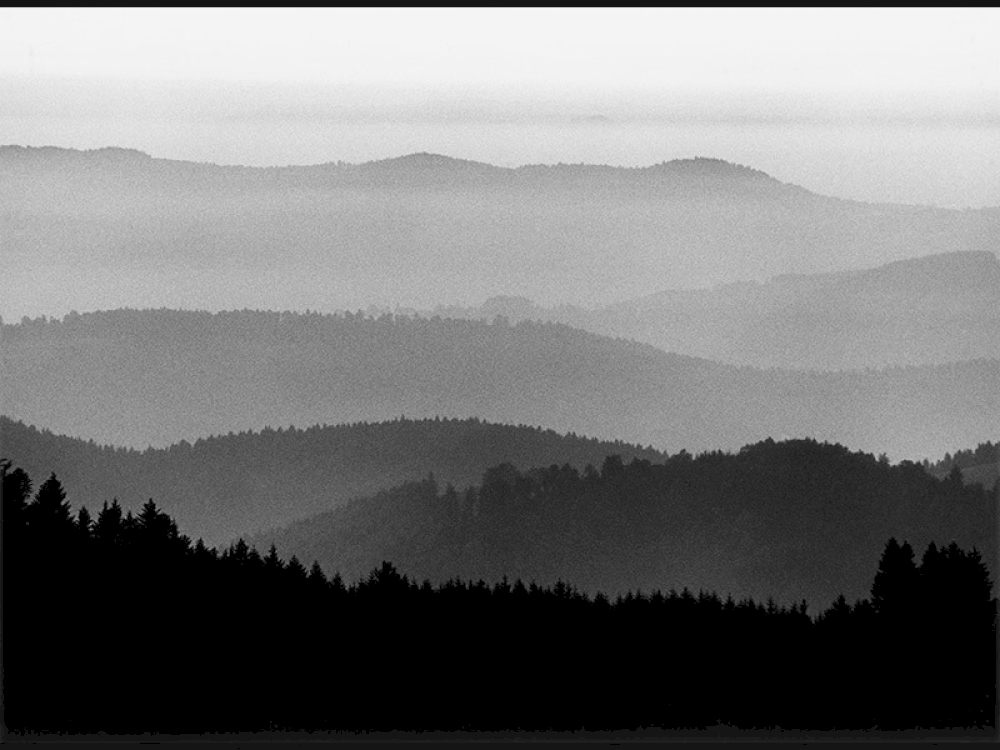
[[894, 590], [170, 636]]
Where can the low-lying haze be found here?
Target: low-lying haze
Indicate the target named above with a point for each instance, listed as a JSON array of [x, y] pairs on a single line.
[[937, 150], [865, 104]]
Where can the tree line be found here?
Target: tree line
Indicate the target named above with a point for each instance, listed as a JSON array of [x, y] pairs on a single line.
[[984, 453], [792, 519], [118, 623]]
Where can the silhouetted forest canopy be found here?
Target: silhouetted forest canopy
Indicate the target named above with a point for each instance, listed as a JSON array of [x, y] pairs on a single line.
[[167, 636], [142, 377]]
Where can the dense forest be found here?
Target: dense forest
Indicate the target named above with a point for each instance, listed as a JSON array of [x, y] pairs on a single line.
[[221, 487], [155, 377], [166, 636], [930, 310], [793, 520]]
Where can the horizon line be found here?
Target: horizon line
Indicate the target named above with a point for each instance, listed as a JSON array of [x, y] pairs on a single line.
[[446, 158]]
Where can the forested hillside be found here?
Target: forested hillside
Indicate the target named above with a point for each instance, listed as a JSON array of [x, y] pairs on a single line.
[[793, 520], [136, 378], [259, 629], [223, 486]]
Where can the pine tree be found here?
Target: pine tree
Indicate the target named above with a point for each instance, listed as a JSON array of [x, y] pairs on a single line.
[[272, 563], [894, 590], [84, 522], [16, 489], [317, 578], [49, 513], [108, 530]]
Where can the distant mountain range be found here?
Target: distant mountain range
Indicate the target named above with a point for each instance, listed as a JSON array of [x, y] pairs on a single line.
[[224, 486], [136, 378], [931, 310], [115, 228], [792, 520]]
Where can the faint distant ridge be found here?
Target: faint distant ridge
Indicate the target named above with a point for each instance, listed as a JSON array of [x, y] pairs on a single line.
[[962, 270], [426, 161], [34, 157], [418, 161], [698, 173], [930, 310], [711, 172], [711, 167], [13, 152], [396, 229], [420, 169]]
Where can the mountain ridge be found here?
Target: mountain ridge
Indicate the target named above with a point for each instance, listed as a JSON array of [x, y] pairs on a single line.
[[425, 161], [119, 229], [141, 377], [920, 311], [224, 485], [428, 163]]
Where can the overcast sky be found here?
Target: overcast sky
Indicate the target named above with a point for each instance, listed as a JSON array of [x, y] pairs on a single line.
[[952, 50], [273, 86]]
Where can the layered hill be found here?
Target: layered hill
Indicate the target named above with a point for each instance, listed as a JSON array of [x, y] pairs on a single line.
[[793, 519], [113, 228], [136, 378], [931, 310], [220, 487]]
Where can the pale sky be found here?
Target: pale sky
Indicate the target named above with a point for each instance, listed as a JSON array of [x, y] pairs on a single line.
[[876, 104], [944, 50]]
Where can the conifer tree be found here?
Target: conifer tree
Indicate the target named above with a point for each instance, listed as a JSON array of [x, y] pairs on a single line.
[[84, 522], [894, 588], [15, 485], [109, 528], [49, 513]]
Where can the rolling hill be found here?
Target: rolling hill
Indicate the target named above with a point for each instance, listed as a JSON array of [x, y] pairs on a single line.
[[155, 377], [220, 487], [793, 519], [112, 228], [932, 310]]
